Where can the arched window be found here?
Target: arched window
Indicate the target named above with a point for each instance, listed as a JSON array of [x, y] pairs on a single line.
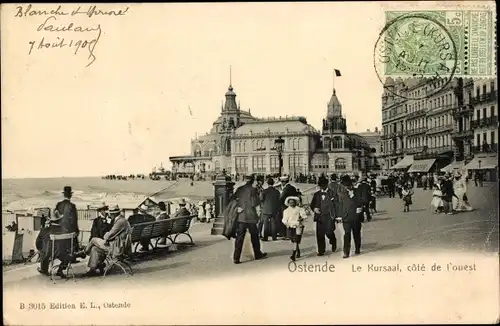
[[337, 142], [217, 166], [340, 164], [244, 146]]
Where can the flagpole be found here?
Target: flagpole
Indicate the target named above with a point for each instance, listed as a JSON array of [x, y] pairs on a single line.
[[333, 79]]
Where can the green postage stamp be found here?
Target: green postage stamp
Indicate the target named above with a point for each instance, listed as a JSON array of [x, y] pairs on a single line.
[[438, 43]]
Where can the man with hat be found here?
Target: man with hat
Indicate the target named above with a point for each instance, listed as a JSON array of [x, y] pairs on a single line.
[[100, 225], [183, 211], [68, 212], [140, 215], [270, 198], [247, 198], [364, 195], [115, 242], [324, 215], [349, 210]]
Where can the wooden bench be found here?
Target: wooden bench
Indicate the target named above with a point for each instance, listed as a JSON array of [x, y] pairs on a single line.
[[156, 230]]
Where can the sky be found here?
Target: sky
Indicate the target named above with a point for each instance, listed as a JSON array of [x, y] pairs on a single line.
[[160, 74]]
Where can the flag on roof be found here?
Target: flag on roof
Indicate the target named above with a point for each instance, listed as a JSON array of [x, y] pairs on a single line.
[[337, 73]]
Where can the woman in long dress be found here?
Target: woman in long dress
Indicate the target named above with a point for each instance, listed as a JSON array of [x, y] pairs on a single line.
[[460, 188]]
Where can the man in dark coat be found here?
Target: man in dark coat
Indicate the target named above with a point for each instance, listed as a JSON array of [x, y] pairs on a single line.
[[69, 218], [100, 225], [350, 212], [270, 202], [324, 214], [364, 194], [140, 215], [247, 197], [183, 211]]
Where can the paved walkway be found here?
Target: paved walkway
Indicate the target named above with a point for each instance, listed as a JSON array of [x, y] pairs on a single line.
[[391, 231]]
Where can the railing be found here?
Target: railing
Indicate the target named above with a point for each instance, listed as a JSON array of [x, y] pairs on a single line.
[[440, 129], [484, 122], [440, 109], [415, 150], [416, 131], [434, 152], [463, 134], [489, 148], [415, 114], [486, 97], [464, 110]]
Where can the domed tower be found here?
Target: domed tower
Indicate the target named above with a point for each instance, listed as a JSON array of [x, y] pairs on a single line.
[[334, 122], [230, 118]]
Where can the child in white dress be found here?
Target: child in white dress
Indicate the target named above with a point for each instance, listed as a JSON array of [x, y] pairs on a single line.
[[437, 202], [293, 218]]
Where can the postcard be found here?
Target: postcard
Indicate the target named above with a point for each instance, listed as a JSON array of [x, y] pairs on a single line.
[[250, 163]]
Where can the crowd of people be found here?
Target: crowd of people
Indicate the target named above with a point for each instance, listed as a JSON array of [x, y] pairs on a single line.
[[109, 234], [280, 211]]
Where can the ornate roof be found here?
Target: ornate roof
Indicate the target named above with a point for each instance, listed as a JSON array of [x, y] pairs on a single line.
[[334, 106], [281, 126]]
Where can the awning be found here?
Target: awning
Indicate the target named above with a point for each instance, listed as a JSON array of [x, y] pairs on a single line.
[[482, 163], [422, 165], [453, 166], [404, 163]]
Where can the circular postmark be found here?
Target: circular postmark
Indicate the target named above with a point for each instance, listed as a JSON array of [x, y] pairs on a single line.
[[416, 46]]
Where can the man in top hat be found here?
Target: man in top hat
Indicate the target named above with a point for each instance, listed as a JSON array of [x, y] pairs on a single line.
[[68, 212], [270, 199], [247, 198], [101, 224], [349, 210], [322, 204], [183, 211], [163, 211], [364, 195]]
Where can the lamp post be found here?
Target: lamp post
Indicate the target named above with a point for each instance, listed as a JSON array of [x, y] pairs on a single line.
[[294, 164], [278, 144]]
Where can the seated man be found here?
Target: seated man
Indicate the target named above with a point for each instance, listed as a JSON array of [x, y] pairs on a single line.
[[140, 215], [100, 224], [183, 211], [115, 242]]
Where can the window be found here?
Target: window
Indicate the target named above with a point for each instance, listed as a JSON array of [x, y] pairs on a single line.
[[484, 89], [477, 91], [492, 111], [492, 138], [478, 139], [484, 112], [340, 164], [478, 115], [485, 137], [492, 86], [217, 166]]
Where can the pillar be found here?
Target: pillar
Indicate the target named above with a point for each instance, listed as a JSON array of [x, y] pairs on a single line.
[[223, 190]]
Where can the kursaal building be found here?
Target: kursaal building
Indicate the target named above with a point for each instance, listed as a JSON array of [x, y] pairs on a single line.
[[241, 143]]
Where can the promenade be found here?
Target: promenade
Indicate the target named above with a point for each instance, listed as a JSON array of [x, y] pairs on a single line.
[[390, 231]]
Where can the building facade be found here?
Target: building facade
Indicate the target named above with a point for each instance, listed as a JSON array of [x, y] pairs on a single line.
[[240, 143], [374, 140], [450, 125]]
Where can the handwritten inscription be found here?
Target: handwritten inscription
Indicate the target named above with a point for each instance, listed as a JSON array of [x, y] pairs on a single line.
[[59, 31]]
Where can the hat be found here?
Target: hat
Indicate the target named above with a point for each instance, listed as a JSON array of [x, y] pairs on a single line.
[[322, 181], [346, 180], [67, 190], [143, 208], [114, 209], [182, 202], [250, 176], [102, 207], [285, 178], [295, 198], [260, 178], [333, 177]]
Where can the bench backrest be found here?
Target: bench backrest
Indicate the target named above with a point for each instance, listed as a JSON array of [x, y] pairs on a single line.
[[181, 224], [150, 230]]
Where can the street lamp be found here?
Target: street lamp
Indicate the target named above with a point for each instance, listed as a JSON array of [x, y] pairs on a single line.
[[294, 169], [278, 144]]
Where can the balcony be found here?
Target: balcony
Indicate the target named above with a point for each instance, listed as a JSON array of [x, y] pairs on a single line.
[[416, 114], [439, 129], [488, 148], [440, 109], [415, 150], [415, 131], [464, 134], [435, 152], [485, 98], [485, 122], [463, 111]]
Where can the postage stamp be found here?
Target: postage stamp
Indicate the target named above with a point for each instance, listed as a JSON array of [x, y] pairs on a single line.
[[440, 43]]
